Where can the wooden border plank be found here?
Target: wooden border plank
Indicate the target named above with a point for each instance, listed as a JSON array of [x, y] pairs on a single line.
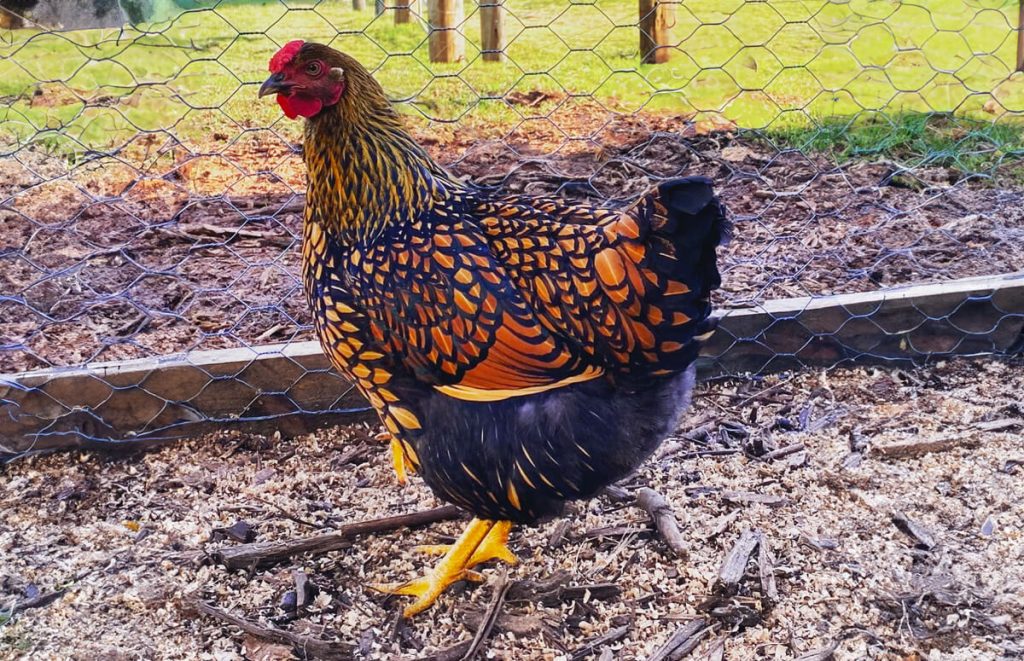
[[972, 316], [291, 387], [282, 386]]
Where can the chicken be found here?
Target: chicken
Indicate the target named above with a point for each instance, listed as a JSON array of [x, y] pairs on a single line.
[[520, 351]]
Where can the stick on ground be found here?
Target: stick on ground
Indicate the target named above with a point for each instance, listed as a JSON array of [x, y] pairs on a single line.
[[453, 653], [919, 446], [483, 632], [766, 566], [783, 452], [309, 646], [38, 601], [259, 554], [555, 590], [923, 538], [595, 644], [682, 642], [735, 563], [664, 519]]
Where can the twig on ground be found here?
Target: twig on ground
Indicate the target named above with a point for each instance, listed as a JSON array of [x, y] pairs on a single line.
[[682, 642], [783, 452], [453, 653], [735, 563], [717, 651], [288, 515], [749, 498], [828, 651], [557, 536], [822, 653], [38, 601], [483, 632], [766, 567], [918, 447], [1002, 424], [664, 519], [758, 395], [308, 646], [595, 644], [258, 554], [616, 494], [617, 531], [232, 232], [553, 590], [295, 205], [922, 537], [722, 523]]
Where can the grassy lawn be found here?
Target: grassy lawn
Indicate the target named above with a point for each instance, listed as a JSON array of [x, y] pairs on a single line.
[[780, 66]]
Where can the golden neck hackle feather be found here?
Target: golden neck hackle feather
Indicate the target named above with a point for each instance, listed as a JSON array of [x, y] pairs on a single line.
[[365, 171]]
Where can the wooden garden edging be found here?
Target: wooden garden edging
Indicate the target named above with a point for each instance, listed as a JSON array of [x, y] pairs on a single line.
[[292, 388]]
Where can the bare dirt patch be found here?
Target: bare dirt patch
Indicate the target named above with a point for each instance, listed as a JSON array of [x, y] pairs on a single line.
[[168, 247]]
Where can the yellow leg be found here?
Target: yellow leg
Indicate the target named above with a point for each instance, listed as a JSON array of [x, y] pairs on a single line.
[[399, 460], [494, 547], [454, 566]]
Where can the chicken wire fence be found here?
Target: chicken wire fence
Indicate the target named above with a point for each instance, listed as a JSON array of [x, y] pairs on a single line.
[[150, 204]]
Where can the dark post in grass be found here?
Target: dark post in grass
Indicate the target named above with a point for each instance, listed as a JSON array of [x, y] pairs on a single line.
[[492, 30], [1020, 37], [359, 5], [657, 18], [446, 42], [403, 11], [9, 20]]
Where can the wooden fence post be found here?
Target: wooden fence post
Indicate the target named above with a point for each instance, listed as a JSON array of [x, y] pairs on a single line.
[[446, 42], [657, 18], [492, 30], [403, 13], [359, 5], [1020, 37], [10, 21]]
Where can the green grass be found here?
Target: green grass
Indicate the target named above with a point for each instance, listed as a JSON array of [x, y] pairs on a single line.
[[911, 139], [777, 66]]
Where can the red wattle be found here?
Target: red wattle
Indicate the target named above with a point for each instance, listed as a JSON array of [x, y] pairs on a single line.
[[294, 106]]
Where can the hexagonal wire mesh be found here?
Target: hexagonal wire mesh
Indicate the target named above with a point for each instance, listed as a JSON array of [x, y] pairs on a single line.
[[150, 205]]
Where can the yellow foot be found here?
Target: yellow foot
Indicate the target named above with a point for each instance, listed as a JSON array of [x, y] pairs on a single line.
[[494, 547], [426, 589], [455, 564], [399, 459]]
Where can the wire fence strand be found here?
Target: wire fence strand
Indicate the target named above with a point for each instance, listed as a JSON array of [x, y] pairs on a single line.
[[150, 204]]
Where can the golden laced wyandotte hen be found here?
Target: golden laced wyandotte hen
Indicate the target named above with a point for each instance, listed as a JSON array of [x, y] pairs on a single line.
[[521, 351]]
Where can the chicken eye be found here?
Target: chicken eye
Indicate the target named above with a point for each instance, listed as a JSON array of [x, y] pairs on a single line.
[[313, 68]]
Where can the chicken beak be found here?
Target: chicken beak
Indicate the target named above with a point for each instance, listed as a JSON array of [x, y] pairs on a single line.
[[276, 84]]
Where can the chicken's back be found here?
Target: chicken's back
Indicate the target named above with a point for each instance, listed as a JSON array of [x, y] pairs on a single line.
[[629, 288]]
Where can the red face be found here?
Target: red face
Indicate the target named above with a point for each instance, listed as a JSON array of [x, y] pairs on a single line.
[[304, 85]]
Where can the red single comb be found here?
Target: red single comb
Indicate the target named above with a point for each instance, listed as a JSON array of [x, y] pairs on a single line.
[[285, 55]]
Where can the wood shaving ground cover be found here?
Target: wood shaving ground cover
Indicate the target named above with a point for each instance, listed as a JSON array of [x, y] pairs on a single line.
[[129, 539]]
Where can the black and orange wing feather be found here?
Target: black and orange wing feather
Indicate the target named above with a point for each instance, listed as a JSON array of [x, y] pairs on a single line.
[[443, 303], [631, 286]]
